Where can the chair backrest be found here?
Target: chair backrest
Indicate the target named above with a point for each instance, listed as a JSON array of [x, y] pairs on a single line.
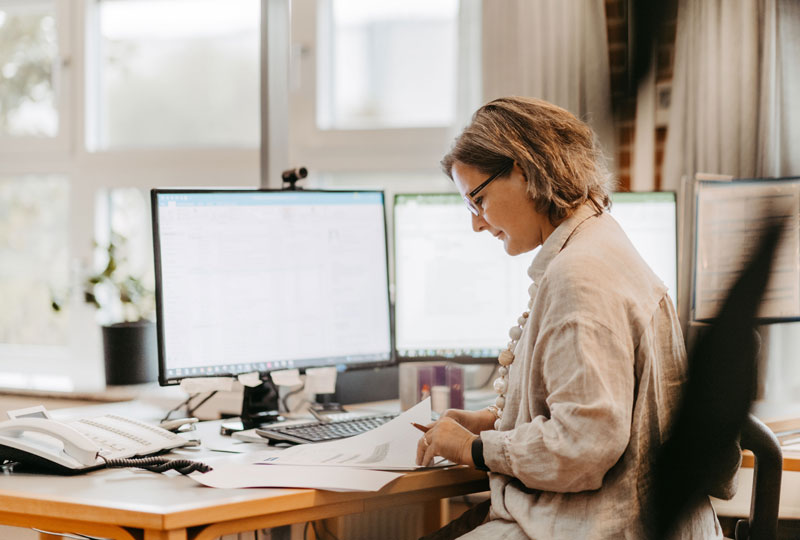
[[763, 521], [714, 411]]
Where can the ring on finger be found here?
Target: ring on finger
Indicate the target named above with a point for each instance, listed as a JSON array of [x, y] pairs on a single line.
[[426, 442]]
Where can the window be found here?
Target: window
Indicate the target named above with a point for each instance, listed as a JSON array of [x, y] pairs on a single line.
[[380, 86], [174, 73], [127, 95], [28, 55], [34, 266], [112, 98], [386, 64]]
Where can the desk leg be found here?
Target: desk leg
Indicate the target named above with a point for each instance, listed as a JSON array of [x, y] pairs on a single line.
[[151, 534], [432, 516]]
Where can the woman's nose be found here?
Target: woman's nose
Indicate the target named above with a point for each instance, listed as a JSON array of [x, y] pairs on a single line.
[[478, 223]]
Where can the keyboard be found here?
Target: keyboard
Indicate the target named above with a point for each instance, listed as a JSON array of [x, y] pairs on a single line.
[[313, 432]]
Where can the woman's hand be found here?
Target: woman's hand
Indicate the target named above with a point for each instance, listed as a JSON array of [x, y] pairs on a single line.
[[475, 421], [448, 439]]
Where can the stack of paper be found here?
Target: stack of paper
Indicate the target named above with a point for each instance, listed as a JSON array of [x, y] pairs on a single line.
[[360, 463]]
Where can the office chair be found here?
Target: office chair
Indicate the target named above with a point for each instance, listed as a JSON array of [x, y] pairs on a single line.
[[763, 521], [713, 415]]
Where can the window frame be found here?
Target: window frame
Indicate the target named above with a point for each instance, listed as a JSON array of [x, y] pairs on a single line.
[[355, 150], [19, 153]]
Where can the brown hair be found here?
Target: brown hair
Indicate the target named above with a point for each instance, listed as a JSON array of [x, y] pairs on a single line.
[[558, 154]]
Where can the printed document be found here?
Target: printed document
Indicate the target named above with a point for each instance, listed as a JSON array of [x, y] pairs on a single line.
[[328, 478], [392, 446]]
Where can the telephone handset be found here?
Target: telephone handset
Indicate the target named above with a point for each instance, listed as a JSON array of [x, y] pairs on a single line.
[[74, 446], [76, 450]]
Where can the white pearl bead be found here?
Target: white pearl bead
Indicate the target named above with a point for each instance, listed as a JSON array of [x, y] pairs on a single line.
[[515, 333], [499, 413], [511, 345], [521, 321], [503, 371], [532, 289], [530, 303], [497, 424], [505, 358], [500, 385], [500, 402]]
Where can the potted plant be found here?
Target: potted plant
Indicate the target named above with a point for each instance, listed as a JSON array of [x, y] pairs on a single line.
[[128, 305]]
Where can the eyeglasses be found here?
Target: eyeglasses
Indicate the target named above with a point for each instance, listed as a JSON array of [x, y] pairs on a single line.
[[469, 198]]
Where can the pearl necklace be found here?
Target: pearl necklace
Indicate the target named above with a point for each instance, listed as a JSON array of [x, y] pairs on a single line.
[[506, 358]]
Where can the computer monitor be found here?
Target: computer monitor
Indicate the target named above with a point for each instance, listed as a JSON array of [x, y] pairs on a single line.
[[457, 292], [650, 221], [256, 281], [730, 217]]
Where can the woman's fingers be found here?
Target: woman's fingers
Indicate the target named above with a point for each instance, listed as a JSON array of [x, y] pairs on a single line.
[[446, 438], [430, 453], [422, 447]]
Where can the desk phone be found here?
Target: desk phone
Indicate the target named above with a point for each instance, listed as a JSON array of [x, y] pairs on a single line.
[[32, 438]]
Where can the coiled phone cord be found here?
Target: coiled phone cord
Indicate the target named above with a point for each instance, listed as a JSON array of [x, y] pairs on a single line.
[[159, 464]]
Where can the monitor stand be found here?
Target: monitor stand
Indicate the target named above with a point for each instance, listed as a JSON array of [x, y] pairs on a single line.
[[259, 407]]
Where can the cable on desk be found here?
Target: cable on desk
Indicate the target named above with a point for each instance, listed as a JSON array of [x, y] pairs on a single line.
[[189, 409], [285, 399], [159, 464]]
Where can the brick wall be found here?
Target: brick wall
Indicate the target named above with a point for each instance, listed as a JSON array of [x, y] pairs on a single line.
[[665, 58], [622, 102], [623, 91]]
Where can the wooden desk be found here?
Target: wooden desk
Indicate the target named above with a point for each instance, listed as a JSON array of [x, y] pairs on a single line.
[[133, 504], [137, 505], [791, 460]]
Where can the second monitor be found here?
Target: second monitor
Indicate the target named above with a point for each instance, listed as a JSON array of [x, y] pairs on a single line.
[[458, 291]]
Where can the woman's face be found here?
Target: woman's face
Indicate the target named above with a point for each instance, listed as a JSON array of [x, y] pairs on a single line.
[[505, 208]]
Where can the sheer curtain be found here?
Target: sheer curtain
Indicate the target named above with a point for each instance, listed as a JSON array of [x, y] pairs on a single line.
[[556, 50], [735, 112]]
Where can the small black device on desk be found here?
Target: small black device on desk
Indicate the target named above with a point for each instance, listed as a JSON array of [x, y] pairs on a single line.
[[322, 431]]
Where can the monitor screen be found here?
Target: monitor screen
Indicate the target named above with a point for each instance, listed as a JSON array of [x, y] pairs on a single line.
[[257, 280], [650, 221], [457, 292], [730, 218]]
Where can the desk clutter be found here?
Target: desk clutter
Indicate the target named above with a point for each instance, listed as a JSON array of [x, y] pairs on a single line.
[[364, 462], [36, 441]]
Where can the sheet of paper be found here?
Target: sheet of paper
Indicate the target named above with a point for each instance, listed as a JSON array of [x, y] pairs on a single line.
[[730, 219], [392, 446], [328, 478]]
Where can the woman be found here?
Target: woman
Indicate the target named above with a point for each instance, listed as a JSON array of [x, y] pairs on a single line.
[[592, 373]]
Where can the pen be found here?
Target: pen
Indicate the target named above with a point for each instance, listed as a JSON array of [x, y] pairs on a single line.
[[420, 427]]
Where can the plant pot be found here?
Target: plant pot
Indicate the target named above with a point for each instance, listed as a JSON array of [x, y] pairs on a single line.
[[130, 351]]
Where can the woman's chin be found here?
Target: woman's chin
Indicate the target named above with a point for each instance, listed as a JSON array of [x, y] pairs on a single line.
[[515, 249]]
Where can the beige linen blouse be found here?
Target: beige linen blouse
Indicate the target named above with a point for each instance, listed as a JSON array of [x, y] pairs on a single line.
[[591, 393]]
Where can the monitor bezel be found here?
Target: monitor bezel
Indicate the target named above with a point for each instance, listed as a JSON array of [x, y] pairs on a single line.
[[163, 380]]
